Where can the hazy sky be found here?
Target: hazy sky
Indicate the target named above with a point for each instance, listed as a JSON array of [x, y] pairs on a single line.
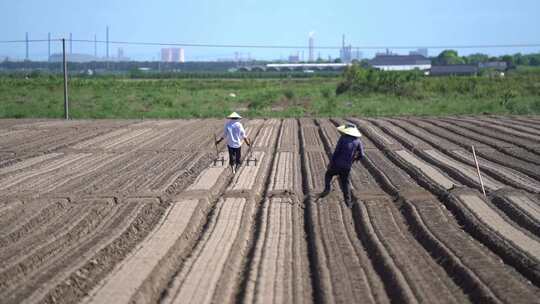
[[276, 22]]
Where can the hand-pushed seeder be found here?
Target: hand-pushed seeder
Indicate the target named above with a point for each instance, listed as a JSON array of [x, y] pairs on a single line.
[[218, 159], [250, 157]]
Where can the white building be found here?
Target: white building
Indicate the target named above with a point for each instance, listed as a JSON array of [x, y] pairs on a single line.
[[392, 62]]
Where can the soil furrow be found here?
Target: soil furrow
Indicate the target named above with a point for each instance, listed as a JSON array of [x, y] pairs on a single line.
[[197, 283], [507, 134], [279, 270], [488, 232], [521, 207], [490, 140], [482, 150], [514, 125], [462, 172], [521, 121], [474, 268], [170, 237], [147, 271], [382, 227], [37, 265], [77, 273], [280, 273], [344, 271]]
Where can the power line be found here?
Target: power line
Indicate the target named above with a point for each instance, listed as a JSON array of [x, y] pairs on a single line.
[[365, 47], [29, 40], [268, 46]]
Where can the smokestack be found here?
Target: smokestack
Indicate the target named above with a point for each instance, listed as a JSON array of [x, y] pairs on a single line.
[[70, 43], [95, 45], [107, 52], [48, 46], [343, 41], [27, 48]]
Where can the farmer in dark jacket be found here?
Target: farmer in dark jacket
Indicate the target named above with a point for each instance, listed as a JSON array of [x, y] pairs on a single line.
[[348, 149]]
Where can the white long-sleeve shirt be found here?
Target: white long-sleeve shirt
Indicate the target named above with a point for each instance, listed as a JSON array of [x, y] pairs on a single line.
[[234, 133]]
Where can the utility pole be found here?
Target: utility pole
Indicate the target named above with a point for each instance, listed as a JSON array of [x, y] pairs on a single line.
[[49, 47], [70, 44], [95, 46], [27, 47], [66, 103], [107, 47]]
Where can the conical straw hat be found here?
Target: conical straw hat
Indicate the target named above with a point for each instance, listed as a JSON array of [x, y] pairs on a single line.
[[349, 129], [234, 115]]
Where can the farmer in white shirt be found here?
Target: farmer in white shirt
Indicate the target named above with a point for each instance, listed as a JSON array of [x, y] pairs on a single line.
[[235, 135]]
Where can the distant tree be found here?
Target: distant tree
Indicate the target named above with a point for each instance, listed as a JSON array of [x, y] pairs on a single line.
[[508, 59], [476, 58], [534, 60], [519, 59], [364, 63], [337, 60], [448, 57]]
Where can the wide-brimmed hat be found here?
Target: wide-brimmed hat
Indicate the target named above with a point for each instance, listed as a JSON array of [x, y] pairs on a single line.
[[234, 115], [349, 129]]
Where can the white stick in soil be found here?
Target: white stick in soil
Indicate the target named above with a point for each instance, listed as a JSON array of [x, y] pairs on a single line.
[[478, 170]]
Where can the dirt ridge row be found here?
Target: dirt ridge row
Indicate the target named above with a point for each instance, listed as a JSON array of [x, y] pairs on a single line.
[[454, 200]]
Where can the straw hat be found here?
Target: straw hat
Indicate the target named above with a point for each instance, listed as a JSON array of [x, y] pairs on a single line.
[[234, 115], [349, 129]]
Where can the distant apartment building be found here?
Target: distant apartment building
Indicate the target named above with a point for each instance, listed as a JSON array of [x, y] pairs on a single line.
[[294, 58], [172, 55], [420, 51]]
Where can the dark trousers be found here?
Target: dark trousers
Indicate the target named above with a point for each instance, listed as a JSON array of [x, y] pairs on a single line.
[[343, 174], [234, 156]]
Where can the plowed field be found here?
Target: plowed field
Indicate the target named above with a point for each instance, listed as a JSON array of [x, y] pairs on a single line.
[[139, 212]]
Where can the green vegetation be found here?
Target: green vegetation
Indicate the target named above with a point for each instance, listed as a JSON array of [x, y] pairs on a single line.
[[452, 57], [358, 91]]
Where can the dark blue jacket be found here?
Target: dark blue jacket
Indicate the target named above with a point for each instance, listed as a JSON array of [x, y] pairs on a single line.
[[348, 149]]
